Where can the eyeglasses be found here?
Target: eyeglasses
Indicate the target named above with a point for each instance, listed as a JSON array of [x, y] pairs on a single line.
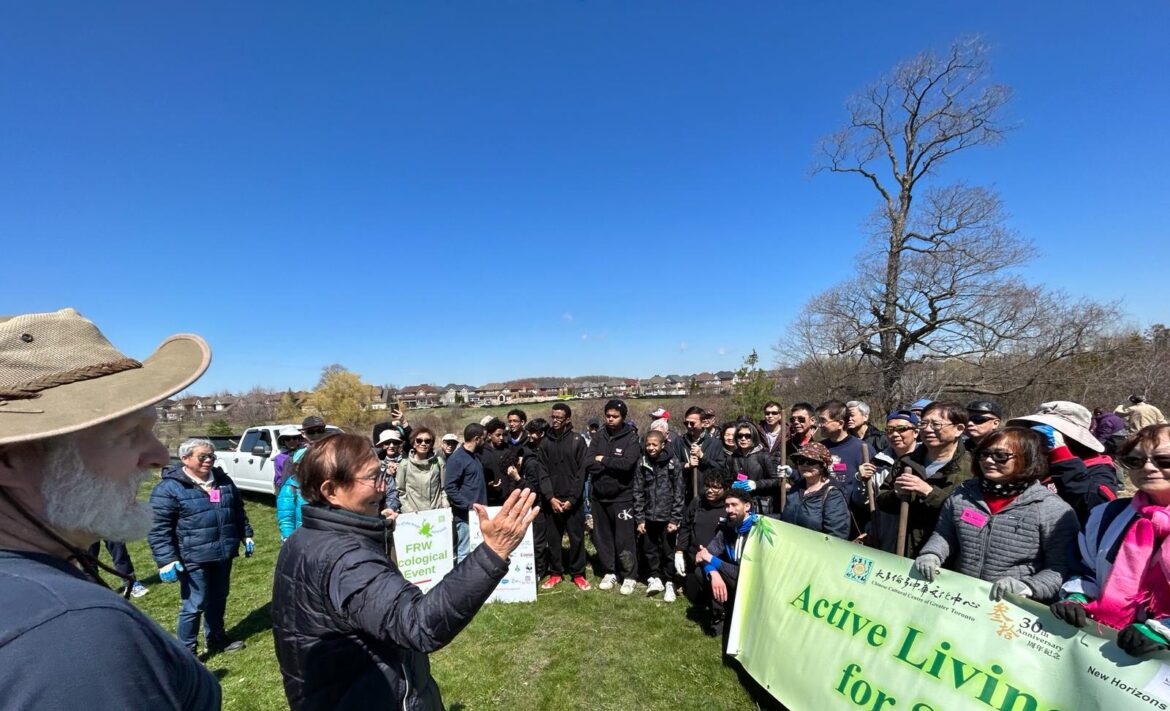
[[999, 456], [771, 413], [424, 441], [743, 435], [1136, 460], [377, 478], [936, 426], [205, 458], [900, 429]]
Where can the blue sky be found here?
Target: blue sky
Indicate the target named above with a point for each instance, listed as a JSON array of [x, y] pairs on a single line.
[[456, 191]]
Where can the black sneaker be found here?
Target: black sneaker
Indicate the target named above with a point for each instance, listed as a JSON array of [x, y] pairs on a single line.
[[225, 646]]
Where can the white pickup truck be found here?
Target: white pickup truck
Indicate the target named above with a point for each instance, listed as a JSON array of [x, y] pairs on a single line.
[[250, 463]]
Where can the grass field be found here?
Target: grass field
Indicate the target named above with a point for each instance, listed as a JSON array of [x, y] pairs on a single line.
[[569, 650]]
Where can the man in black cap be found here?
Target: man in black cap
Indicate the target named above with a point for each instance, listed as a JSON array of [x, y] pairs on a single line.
[[984, 417]]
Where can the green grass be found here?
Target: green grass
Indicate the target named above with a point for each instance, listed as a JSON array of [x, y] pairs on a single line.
[[570, 649]]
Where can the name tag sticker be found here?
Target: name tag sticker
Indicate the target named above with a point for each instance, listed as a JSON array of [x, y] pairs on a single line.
[[214, 494], [978, 519], [839, 466]]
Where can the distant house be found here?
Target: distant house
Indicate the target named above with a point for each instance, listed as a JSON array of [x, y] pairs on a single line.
[[420, 397]]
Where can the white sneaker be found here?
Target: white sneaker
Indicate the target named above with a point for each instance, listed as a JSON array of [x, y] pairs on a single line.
[[668, 596], [607, 582], [653, 585], [628, 586], [138, 589]]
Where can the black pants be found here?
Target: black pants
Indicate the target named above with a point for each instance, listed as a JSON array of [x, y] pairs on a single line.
[[118, 554], [540, 544], [615, 534], [659, 556], [556, 526]]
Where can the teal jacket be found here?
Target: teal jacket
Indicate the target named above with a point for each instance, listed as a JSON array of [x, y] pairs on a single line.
[[288, 507]]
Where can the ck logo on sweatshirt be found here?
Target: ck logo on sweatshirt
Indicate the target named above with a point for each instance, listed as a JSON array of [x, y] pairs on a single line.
[[625, 515]]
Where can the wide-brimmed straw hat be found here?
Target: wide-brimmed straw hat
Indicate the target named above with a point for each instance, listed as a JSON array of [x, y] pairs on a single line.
[[1068, 418], [59, 374]]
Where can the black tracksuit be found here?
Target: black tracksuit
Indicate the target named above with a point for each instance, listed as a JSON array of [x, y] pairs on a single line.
[[613, 499], [658, 501], [712, 457], [565, 456]]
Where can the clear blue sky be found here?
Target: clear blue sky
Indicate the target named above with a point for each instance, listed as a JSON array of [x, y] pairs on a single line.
[[472, 191]]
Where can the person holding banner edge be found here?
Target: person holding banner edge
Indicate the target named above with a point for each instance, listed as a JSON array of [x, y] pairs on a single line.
[[1123, 580]]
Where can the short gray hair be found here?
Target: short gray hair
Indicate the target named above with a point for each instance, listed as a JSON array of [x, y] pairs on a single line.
[[194, 443], [861, 407]]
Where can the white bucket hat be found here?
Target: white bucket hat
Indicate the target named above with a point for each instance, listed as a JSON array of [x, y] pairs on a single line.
[[1068, 418]]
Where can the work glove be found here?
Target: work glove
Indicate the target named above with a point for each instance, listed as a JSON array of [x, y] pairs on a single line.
[[1052, 438], [1071, 610], [1015, 586], [249, 547], [744, 485], [784, 471], [680, 565], [1138, 640], [927, 566], [169, 573]]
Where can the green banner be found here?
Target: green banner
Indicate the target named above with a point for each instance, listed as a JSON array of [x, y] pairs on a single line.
[[825, 624]]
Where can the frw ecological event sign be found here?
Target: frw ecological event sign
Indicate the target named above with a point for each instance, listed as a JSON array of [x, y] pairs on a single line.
[[424, 545], [822, 623], [519, 585]]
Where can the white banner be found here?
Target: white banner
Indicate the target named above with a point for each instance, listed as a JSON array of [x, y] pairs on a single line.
[[519, 585], [424, 543]]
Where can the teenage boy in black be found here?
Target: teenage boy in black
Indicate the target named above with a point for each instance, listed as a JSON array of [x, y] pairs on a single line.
[[612, 458], [565, 454]]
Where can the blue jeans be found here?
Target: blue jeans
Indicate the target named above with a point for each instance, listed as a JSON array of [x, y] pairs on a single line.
[[462, 539], [203, 588]]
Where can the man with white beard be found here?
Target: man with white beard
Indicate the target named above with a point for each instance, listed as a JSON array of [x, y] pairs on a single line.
[[76, 442]]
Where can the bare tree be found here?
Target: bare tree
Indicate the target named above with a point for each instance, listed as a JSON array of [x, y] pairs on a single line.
[[936, 283]]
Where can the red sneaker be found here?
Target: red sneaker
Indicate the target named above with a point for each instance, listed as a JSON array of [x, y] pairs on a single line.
[[551, 582], [582, 583]]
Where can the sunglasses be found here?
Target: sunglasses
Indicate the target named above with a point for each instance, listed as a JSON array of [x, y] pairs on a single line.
[[980, 419], [901, 428], [798, 419], [999, 456], [315, 431], [1137, 460], [803, 462], [772, 413], [211, 458], [743, 435], [424, 441]]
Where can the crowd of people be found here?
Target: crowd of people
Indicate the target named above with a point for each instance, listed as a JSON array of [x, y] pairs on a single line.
[[1033, 504]]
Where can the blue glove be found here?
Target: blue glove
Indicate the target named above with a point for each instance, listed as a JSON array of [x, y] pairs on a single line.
[[744, 485], [249, 547], [169, 573], [1052, 438]]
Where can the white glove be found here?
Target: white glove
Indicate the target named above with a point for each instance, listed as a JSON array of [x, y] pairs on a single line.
[[784, 471], [1009, 585], [680, 565], [927, 566]]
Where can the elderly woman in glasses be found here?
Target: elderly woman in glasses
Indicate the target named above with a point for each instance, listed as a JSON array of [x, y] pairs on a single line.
[[420, 475], [1124, 577], [818, 505], [199, 524], [350, 631], [1004, 526]]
